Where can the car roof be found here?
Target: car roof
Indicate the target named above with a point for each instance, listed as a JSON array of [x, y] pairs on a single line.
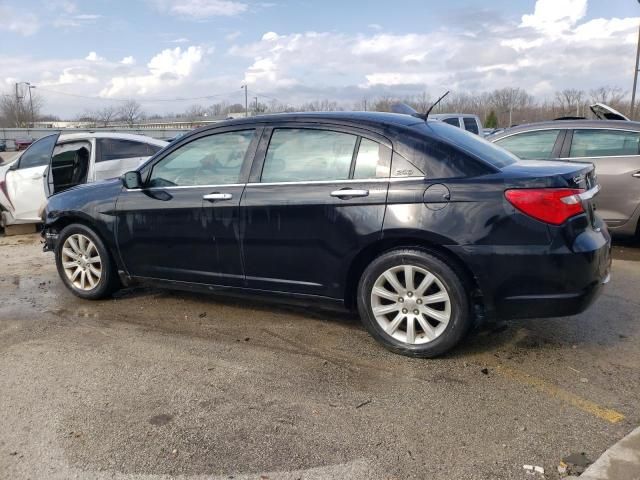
[[565, 124], [65, 137], [349, 118]]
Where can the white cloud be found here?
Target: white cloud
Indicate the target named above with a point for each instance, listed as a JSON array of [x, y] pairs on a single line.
[[233, 36], [555, 16], [128, 60], [170, 68], [93, 57], [20, 22], [374, 26], [74, 21], [179, 40], [201, 9]]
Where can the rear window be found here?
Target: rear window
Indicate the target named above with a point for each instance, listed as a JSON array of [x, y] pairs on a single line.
[[472, 144], [452, 121], [470, 125]]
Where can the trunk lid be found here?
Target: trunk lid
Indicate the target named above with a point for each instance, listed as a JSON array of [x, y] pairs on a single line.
[[605, 112]]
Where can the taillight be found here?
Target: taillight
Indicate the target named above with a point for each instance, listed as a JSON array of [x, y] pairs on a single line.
[[550, 205]]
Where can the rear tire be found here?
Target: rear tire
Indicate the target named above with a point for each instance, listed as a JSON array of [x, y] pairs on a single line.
[[413, 303], [84, 263]]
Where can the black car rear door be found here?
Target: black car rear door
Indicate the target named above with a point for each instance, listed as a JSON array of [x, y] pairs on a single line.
[[315, 196], [183, 225]]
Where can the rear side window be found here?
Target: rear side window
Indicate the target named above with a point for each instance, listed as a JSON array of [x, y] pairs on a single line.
[[604, 143], [373, 160], [115, 149], [531, 145], [452, 121], [38, 154], [296, 155], [471, 125]]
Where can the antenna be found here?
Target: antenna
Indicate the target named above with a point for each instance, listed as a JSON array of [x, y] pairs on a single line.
[[426, 115]]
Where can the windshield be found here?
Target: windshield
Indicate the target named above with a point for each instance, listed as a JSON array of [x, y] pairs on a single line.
[[471, 144]]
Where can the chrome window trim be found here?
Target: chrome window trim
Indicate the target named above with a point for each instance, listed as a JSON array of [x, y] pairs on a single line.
[[309, 182], [325, 182]]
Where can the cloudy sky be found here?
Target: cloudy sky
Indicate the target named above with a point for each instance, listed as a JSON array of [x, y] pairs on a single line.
[[87, 54]]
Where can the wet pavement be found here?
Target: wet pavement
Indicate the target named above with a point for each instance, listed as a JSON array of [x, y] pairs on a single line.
[[155, 384]]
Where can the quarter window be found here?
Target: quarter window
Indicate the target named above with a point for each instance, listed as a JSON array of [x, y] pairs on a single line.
[[296, 155], [213, 160], [452, 121], [115, 149], [604, 143], [531, 145]]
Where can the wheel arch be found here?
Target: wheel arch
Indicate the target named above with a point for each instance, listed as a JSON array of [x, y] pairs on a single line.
[[370, 252]]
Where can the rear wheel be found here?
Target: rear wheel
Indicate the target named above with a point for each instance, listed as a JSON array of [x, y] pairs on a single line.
[[413, 303], [84, 263]]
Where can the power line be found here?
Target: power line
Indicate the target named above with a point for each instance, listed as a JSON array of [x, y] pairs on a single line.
[[144, 100]]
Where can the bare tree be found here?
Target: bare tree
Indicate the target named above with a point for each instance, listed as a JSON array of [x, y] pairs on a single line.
[[194, 113], [18, 111], [569, 101], [130, 112], [105, 115], [607, 94]]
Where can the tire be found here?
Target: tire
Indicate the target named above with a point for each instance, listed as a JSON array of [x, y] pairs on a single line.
[[84, 263], [437, 306]]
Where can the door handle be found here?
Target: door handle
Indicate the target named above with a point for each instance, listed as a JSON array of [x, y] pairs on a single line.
[[637, 175], [349, 193], [37, 176], [212, 197]]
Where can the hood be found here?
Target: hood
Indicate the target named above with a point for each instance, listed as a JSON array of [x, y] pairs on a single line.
[[605, 112]]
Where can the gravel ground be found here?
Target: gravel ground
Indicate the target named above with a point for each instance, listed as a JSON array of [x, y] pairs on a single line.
[[156, 384]]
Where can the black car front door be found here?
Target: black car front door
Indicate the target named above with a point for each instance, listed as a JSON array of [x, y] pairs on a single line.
[[182, 225], [316, 196]]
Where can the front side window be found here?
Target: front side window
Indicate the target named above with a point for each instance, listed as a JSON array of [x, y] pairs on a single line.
[[531, 145], [471, 125], [39, 153], [213, 160], [604, 143], [115, 149], [296, 155]]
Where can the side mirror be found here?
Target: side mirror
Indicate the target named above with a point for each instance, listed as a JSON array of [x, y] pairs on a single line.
[[13, 166], [132, 180]]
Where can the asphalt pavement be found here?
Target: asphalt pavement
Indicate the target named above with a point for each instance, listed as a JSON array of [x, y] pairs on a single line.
[[156, 384]]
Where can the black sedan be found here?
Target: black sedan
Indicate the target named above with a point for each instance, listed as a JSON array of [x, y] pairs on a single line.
[[423, 228]]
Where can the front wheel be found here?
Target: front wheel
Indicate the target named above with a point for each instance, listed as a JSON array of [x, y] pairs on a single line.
[[84, 263], [413, 303]]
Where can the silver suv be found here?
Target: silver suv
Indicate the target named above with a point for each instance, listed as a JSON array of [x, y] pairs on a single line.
[[613, 146]]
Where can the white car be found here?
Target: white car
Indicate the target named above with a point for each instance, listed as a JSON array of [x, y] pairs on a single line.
[[57, 162]]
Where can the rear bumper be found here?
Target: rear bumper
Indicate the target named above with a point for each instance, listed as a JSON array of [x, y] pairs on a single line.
[[541, 281]]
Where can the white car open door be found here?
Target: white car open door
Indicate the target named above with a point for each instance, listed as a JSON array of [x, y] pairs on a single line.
[[24, 180]]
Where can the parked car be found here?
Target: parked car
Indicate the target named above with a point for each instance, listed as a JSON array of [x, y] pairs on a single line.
[[612, 146], [424, 228], [23, 143], [73, 159], [466, 121]]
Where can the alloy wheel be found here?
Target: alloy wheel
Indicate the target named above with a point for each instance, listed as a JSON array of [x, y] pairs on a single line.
[[411, 304], [81, 262]]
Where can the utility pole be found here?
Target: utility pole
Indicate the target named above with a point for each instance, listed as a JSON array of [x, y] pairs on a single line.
[[17, 106], [635, 77], [365, 104], [31, 103], [256, 99], [246, 100]]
